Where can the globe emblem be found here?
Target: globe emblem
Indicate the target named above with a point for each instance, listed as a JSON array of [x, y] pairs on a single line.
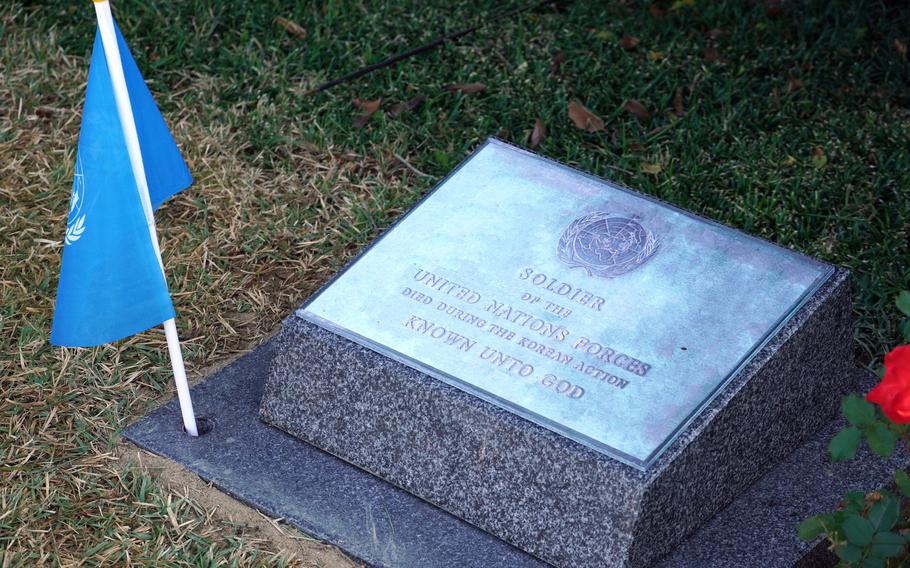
[[605, 245], [75, 224]]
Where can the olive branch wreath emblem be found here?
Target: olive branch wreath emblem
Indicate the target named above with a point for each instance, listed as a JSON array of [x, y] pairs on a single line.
[[76, 224], [567, 253]]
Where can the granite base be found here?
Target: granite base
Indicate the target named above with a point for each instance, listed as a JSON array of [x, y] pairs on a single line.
[[554, 498], [383, 526]]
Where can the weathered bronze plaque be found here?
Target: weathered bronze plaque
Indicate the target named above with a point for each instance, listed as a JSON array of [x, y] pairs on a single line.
[[592, 310]]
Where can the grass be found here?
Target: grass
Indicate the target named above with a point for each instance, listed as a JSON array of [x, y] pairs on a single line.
[[796, 128]]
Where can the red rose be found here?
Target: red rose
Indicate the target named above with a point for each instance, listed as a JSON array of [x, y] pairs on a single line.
[[893, 393]]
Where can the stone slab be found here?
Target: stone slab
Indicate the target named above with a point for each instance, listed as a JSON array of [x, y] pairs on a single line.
[[544, 493], [386, 527], [315, 492], [593, 310]]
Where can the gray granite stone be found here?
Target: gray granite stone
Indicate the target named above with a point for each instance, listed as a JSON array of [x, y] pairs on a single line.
[[319, 494], [559, 500], [338, 503]]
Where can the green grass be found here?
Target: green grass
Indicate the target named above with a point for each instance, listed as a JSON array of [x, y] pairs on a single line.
[[741, 154], [287, 188]]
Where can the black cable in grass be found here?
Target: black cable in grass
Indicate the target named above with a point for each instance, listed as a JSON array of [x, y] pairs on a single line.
[[424, 48]]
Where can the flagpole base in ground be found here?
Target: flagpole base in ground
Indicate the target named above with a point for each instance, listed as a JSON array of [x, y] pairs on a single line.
[[183, 388]]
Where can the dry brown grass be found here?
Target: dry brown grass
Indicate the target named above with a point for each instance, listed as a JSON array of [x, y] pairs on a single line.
[[242, 247]]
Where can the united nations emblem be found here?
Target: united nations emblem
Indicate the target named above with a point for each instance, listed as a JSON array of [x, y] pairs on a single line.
[[606, 245], [75, 224]]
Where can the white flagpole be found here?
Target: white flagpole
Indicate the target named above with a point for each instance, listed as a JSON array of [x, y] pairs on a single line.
[[125, 112]]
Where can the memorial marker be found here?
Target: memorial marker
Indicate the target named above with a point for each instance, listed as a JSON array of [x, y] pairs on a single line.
[[579, 369], [598, 313]]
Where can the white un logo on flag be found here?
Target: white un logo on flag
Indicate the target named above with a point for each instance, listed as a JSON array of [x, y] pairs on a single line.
[[75, 224]]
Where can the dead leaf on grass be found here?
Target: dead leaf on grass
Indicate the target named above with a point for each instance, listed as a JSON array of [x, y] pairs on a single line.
[[413, 104], [650, 168], [556, 62], [291, 27], [819, 159], [679, 4], [715, 33], [368, 109], [584, 119], [465, 88], [679, 108], [629, 42], [538, 133], [794, 84], [775, 10], [638, 110]]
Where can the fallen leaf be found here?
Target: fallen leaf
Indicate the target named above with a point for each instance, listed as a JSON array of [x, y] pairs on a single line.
[[416, 102], [344, 158], [788, 161], [629, 42], [900, 48], [775, 10], [657, 11], [291, 27], [794, 84], [650, 168], [715, 33], [634, 147], [368, 109], [711, 55], [398, 109], [584, 118], [679, 108], [655, 55], [44, 112], [682, 4], [605, 35], [556, 62], [539, 133], [638, 110], [465, 88], [368, 106], [502, 133], [819, 159]]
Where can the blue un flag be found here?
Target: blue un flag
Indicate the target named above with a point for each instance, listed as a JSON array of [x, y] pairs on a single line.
[[111, 285]]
